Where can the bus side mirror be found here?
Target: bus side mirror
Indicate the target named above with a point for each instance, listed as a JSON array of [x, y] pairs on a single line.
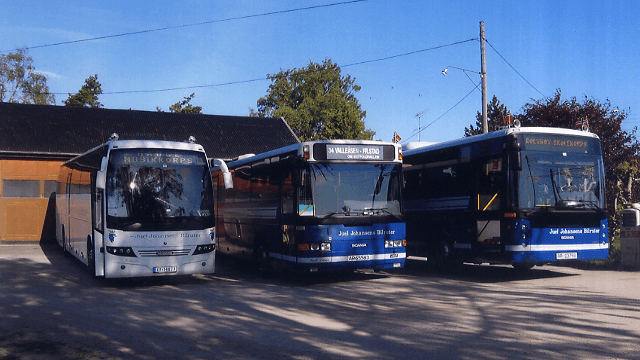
[[514, 148], [101, 176], [226, 175], [228, 180]]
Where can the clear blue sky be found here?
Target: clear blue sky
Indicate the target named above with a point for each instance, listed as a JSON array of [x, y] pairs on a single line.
[[584, 48]]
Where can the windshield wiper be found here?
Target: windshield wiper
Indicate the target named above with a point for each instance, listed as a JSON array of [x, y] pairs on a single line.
[[346, 211], [556, 193], [533, 183], [373, 211]]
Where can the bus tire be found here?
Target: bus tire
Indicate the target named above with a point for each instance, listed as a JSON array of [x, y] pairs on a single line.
[[441, 257], [65, 253], [522, 267], [261, 259]]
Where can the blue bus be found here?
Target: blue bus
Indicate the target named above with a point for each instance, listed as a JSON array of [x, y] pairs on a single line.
[[314, 206], [520, 196]]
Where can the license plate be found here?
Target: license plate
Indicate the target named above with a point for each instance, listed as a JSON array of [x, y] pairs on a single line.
[[165, 269], [358, 257], [566, 256]]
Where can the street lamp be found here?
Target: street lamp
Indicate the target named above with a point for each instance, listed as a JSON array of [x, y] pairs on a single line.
[[484, 91], [444, 72]]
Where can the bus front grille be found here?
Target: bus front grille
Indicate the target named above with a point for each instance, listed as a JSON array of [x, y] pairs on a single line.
[[179, 252]]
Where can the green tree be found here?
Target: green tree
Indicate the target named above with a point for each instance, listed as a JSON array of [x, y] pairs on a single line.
[[185, 107], [87, 96], [317, 102], [19, 81], [496, 116]]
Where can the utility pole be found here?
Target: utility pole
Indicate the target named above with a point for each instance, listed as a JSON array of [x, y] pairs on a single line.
[[483, 75]]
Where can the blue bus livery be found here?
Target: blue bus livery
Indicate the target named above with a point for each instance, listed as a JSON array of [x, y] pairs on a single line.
[[315, 206], [520, 196]]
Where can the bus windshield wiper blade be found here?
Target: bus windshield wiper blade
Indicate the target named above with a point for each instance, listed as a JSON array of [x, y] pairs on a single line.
[[373, 211], [556, 193]]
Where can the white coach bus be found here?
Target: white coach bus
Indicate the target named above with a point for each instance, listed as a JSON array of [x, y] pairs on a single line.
[[131, 208]]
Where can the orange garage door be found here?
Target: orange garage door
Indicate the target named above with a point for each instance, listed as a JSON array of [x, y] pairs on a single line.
[[27, 211]]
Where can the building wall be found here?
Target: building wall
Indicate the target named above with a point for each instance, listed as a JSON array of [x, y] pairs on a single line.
[[27, 200]]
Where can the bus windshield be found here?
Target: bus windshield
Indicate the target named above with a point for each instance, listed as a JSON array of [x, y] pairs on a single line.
[[561, 180], [161, 188], [350, 190]]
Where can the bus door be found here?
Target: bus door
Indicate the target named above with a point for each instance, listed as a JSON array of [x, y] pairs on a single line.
[[288, 213], [489, 201], [97, 218]]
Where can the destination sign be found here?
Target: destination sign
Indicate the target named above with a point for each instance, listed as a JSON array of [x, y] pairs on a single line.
[[354, 152], [557, 143], [159, 158]]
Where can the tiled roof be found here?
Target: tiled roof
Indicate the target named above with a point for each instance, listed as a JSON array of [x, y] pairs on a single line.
[[61, 130]]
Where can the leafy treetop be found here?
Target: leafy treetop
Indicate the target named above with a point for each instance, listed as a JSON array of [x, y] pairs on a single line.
[[20, 82], [317, 102]]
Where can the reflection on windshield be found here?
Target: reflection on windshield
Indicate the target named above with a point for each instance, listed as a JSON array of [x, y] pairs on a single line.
[[557, 180], [158, 184], [350, 190]]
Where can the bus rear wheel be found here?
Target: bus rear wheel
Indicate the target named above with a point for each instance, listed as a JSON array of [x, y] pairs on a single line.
[[65, 253]]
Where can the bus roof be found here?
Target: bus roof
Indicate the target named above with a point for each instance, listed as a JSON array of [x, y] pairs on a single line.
[[417, 148], [143, 144], [297, 149]]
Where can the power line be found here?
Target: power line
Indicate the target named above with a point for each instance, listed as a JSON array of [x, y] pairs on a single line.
[[441, 116], [514, 69], [410, 53], [266, 78], [178, 88], [194, 24]]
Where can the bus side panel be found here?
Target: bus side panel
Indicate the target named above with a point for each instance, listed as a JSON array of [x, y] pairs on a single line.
[[80, 215], [438, 225], [248, 213], [62, 204]]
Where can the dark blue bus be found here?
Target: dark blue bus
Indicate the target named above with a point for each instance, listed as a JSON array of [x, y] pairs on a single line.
[[315, 206], [520, 196]]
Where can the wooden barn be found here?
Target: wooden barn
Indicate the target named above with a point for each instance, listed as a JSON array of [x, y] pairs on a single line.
[[36, 139]]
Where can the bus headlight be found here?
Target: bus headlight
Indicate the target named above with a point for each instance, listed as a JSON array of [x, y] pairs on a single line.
[[323, 246], [203, 249], [394, 243], [120, 251]]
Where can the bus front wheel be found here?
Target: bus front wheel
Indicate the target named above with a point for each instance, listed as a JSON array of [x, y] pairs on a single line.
[[91, 257], [261, 259]]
